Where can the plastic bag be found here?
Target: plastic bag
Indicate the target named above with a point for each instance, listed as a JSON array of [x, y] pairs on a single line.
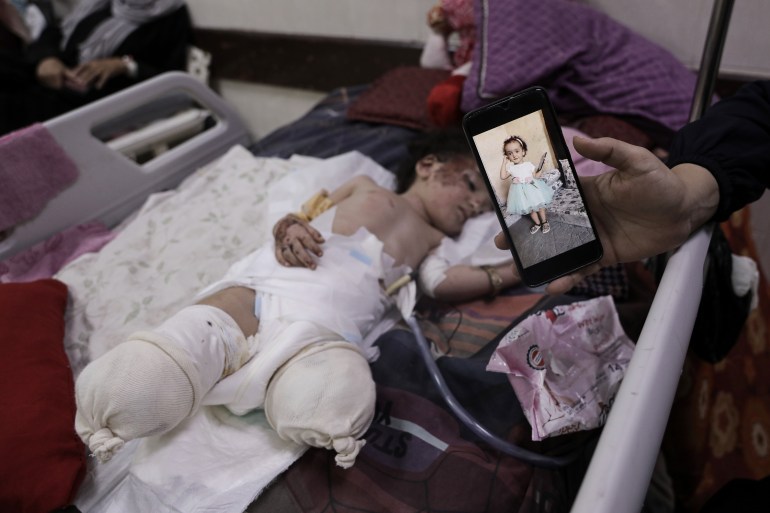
[[565, 365]]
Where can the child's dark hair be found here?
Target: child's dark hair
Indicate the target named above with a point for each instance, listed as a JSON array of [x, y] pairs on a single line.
[[518, 140], [444, 144]]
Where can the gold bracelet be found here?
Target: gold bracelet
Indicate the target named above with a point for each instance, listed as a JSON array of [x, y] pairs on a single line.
[[494, 279], [315, 206]]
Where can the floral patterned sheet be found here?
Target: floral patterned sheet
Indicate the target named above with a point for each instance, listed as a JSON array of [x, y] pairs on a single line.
[[183, 240], [176, 244]]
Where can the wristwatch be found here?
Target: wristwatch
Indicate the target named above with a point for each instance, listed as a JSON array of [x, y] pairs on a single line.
[[132, 68], [494, 279]]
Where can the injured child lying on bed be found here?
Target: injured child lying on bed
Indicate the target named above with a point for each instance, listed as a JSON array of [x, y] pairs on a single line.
[[289, 328]]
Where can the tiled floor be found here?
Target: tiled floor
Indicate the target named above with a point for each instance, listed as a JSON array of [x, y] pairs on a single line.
[[540, 246]]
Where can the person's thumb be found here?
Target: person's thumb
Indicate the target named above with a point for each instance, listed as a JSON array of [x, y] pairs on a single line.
[[606, 150]]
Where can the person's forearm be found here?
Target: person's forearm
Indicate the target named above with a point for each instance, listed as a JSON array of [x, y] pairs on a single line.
[[702, 194], [465, 282], [732, 140]]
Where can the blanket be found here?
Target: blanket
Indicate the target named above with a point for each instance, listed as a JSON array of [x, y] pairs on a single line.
[[587, 61]]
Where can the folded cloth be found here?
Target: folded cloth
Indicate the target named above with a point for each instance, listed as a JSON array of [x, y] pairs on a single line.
[[33, 170], [45, 258]]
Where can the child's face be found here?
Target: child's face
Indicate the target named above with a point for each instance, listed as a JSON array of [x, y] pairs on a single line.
[[514, 152], [457, 193]]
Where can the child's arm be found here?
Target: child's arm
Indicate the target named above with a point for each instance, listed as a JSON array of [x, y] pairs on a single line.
[[297, 243], [466, 282], [455, 283], [503, 172], [355, 184], [539, 170]]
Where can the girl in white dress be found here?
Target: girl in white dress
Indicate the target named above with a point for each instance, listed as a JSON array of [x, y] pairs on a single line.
[[528, 193]]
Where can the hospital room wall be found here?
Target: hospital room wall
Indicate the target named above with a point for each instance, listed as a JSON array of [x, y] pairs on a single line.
[[267, 107]]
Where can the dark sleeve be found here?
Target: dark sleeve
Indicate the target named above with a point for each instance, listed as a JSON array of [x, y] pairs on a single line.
[[47, 45], [160, 45], [732, 140]]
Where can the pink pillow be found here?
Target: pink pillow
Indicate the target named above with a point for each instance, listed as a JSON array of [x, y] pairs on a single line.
[[43, 461]]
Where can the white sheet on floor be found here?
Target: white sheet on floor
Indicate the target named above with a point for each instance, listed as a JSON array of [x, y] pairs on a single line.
[[178, 243]]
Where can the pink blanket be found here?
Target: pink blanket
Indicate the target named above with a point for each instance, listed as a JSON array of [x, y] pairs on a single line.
[[33, 169], [44, 259]]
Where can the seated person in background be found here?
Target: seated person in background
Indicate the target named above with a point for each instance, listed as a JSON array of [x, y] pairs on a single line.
[[290, 327], [102, 46]]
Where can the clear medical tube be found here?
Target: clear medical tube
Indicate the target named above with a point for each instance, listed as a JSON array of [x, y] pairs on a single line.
[[533, 458]]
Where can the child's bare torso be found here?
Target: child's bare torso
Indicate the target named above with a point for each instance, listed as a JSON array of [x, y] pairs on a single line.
[[407, 237]]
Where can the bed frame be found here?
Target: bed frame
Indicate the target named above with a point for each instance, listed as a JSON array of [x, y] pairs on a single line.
[[111, 185]]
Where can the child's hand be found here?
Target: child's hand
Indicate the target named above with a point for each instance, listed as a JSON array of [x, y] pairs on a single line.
[[296, 242]]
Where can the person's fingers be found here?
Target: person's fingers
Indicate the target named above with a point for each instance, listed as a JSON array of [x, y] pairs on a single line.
[[501, 242], [302, 254], [84, 74], [102, 79], [316, 236], [279, 256], [308, 241], [611, 152]]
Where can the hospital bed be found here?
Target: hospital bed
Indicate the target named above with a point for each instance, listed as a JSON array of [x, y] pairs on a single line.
[[198, 141]]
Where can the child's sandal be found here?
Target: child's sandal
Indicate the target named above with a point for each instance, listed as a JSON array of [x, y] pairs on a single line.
[[533, 230], [546, 227]]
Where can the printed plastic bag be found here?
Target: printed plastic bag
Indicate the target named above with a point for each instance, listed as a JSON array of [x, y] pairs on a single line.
[[565, 365]]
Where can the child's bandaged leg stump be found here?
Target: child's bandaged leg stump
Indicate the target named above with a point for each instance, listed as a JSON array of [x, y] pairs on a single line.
[[323, 397], [150, 383]]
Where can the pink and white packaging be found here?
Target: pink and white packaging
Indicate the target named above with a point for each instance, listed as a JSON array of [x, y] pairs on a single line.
[[565, 365]]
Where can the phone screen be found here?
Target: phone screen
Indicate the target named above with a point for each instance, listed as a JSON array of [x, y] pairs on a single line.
[[530, 175]]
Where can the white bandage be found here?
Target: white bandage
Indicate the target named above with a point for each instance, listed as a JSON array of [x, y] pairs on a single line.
[[150, 383], [323, 397], [431, 273]]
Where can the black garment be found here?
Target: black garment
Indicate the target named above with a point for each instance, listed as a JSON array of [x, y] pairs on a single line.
[[732, 140], [157, 46], [740, 496]]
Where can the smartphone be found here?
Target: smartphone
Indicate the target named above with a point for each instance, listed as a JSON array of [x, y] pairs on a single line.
[[528, 170]]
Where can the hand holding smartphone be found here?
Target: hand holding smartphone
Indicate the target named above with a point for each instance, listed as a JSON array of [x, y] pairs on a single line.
[[541, 207]]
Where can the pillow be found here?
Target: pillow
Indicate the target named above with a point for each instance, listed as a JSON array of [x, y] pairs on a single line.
[[43, 461], [399, 97], [588, 62]]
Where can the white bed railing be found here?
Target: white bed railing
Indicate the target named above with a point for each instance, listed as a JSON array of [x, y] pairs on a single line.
[[109, 187], [620, 470]]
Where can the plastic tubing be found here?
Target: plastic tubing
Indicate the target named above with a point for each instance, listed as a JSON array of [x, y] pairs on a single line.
[[533, 458]]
